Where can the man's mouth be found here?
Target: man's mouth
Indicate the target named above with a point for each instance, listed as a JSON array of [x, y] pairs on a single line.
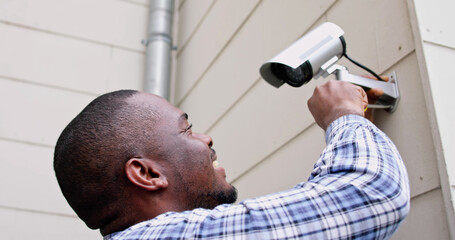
[[214, 158], [215, 163]]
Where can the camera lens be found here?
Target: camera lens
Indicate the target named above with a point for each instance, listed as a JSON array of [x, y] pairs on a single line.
[[294, 77]]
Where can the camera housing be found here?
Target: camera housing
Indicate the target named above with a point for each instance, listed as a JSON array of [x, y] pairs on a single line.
[[300, 62]]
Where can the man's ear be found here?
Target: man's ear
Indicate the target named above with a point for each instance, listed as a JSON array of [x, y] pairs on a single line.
[[142, 173]]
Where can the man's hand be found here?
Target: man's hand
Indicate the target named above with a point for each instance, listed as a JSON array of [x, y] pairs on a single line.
[[335, 99]]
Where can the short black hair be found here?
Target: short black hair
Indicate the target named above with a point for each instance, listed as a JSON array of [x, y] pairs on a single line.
[[90, 155]]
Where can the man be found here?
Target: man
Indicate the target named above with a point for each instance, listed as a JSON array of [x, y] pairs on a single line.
[[130, 165]]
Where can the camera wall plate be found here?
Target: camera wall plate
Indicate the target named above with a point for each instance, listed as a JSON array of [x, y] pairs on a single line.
[[394, 81], [388, 101]]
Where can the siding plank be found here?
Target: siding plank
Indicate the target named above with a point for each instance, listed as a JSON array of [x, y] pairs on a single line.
[[377, 33], [213, 34], [118, 23], [190, 16], [59, 61], [426, 220], [296, 159], [37, 189], [143, 2], [37, 114], [30, 225]]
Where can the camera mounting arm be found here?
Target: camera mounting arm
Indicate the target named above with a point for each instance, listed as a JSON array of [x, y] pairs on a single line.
[[388, 101]]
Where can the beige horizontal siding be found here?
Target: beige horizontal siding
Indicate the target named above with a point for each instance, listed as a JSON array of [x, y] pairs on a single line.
[[283, 169], [426, 219], [377, 33], [190, 17], [19, 224], [211, 37], [142, 2], [36, 114], [49, 59], [101, 21], [37, 189]]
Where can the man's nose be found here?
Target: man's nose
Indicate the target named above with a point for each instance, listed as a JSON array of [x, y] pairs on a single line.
[[205, 138]]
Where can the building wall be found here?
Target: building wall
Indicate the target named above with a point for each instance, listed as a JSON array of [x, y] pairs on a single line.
[[265, 137], [55, 57]]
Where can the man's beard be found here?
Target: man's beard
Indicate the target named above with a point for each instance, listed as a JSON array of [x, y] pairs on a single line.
[[212, 199], [204, 196]]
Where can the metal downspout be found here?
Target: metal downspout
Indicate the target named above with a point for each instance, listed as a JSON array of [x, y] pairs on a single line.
[[159, 47]]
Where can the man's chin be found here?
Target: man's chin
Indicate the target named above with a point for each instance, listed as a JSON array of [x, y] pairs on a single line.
[[231, 197], [222, 197]]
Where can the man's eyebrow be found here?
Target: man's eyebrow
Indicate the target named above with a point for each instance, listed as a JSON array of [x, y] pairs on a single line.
[[183, 117]]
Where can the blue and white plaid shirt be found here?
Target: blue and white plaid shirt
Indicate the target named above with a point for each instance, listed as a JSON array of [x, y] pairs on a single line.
[[358, 189]]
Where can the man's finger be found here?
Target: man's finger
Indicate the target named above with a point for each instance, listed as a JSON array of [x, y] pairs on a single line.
[[364, 97], [375, 93], [384, 78]]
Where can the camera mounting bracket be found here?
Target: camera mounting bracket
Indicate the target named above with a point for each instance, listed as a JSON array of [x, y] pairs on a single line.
[[388, 101]]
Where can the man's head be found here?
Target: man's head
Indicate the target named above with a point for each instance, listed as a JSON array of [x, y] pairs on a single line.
[[129, 156]]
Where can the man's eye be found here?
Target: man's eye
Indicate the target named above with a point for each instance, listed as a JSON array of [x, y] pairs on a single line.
[[188, 129]]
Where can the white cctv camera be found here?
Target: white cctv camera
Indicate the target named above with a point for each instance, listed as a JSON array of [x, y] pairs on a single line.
[[302, 61], [316, 54]]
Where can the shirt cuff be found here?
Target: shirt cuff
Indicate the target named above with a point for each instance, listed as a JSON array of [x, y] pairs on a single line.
[[344, 121]]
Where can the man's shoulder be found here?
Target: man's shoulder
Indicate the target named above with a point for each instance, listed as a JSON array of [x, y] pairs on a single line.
[[175, 225]]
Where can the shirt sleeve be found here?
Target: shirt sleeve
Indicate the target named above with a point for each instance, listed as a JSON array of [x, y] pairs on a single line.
[[358, 189], [362, 174]]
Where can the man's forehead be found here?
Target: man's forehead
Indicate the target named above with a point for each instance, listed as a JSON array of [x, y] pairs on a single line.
[[146, 97], [148, 100], [157, 103]]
